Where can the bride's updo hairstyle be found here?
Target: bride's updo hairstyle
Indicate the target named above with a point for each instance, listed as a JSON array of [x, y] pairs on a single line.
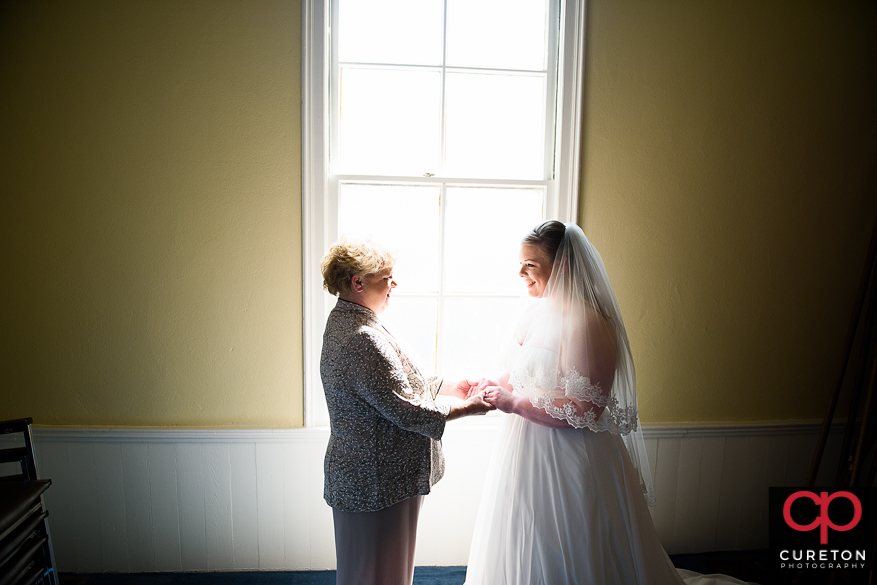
[[350, 256], [547, 236]]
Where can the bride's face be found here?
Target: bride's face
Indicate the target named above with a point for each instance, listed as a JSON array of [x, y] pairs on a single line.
[[535, 269]]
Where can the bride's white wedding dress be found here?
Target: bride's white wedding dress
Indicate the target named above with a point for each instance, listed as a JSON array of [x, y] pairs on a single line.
[[564, 506], [569, 506]]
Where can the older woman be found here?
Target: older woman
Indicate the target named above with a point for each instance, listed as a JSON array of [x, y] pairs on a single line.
[[384, 453]]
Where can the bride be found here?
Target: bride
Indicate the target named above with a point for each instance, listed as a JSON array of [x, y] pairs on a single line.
[[567, 495]]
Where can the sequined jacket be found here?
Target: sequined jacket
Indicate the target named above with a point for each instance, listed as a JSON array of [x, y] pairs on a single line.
[[385, 424]]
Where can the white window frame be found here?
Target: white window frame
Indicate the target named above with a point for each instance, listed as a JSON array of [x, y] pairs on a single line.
[[319, 210]]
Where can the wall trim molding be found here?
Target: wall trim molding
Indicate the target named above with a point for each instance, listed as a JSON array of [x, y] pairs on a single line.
[[160, 435], [744, 429], [101, 434]]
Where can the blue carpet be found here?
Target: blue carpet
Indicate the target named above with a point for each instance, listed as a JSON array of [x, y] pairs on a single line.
[[235, 578], [745, 565], [422, 576]]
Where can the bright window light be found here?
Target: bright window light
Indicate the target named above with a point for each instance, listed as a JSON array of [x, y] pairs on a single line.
[[443, 129], [497, 34], [495, 126], [390, 31], [389, 121], [442, 150]]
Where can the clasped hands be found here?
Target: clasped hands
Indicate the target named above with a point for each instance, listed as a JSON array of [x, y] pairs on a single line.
[[484, 391]]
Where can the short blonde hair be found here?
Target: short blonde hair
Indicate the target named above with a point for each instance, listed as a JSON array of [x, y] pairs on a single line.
[[350, 256]]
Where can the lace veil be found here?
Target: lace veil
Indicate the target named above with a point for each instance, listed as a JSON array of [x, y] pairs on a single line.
[[574, 357]]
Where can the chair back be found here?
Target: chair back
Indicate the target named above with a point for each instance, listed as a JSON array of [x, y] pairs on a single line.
[[25, 456]]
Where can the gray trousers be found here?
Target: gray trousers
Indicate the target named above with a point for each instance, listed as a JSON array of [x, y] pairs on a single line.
[[377, 548]]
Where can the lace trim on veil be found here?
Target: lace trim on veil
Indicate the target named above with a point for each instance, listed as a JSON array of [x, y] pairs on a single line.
[[614, 418], [617, 419]]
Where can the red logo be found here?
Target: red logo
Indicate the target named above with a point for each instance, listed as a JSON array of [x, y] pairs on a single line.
[[822, 521]]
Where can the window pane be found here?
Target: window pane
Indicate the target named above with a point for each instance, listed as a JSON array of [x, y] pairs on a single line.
[[475, 334], [485, 227], [499, 34], [413, 322], [391, 31], [495, 126], [390, 121], [405, 219]]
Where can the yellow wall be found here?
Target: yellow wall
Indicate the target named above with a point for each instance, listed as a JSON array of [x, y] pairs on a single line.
[[151, 222], [728, 180], [151, 226]]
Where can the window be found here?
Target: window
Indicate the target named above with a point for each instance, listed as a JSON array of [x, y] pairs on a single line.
[[445, 129]]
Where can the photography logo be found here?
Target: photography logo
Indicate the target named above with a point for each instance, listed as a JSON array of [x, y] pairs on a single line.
[[822, 529]]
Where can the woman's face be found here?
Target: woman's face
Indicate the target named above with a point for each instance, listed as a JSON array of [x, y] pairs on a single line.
[[376, 290], [535, 269]]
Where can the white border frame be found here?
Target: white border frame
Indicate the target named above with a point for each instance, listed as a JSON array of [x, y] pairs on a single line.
[[570, 114], [315, 185], [562, 203]]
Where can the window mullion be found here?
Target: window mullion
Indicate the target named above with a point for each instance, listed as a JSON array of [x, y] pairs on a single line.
[[444, 100], [334, 90], [456, 181], [440, 300], [551, 98], [462, 295]]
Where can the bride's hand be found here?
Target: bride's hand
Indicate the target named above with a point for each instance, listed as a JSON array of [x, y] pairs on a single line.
[[478, 405], [499, 398]]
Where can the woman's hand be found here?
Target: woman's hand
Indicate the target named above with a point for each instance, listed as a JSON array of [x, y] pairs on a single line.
[[462, 389], [475, 390], [475, 404], [478, 405], [500, 398], [501, 380]]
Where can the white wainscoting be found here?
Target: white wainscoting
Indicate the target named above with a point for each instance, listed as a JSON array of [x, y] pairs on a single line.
[[135, 500]]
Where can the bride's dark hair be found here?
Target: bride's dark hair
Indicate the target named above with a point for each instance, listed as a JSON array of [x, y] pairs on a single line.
[[547, 236]]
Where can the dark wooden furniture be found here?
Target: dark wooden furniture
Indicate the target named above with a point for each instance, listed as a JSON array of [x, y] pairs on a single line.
[[25, 546]]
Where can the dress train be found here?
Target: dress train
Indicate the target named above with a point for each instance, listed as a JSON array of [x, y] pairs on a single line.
[[565, 506]]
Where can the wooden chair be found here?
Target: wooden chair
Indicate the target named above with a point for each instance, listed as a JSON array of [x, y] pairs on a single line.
[[25, 546]]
